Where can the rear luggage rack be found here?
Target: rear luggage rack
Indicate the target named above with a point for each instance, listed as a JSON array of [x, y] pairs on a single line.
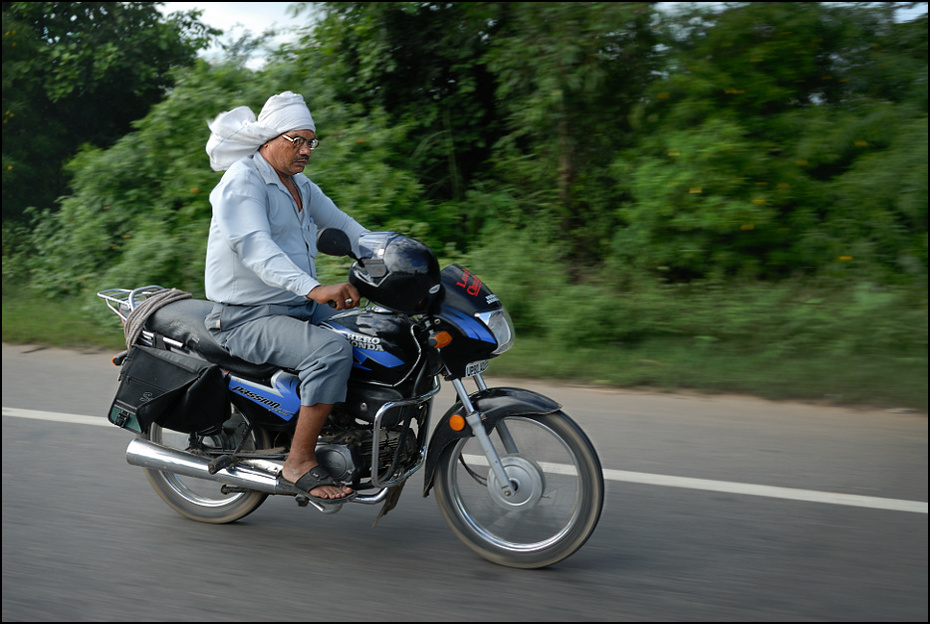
[[123, 300]]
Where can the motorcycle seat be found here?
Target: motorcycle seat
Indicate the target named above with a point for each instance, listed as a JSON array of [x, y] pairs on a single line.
[[183, 321]]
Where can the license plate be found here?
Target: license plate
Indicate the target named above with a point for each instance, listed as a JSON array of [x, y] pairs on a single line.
[[476, 368]]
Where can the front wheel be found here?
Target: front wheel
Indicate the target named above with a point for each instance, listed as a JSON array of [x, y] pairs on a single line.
[[198, 499], [558, 491]]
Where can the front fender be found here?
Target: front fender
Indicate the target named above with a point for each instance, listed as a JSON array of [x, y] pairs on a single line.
[[493, 404]]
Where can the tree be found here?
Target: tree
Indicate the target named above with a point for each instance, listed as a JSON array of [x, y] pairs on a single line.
[[81, 72], [568, 74], [421, 63], [759, 144], [529, 95]]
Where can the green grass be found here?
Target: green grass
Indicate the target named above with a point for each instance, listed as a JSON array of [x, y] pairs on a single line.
[[667, 365], [885, 381], [58, 323]]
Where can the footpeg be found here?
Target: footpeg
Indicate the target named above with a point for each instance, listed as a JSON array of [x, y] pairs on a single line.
[[303, 501]]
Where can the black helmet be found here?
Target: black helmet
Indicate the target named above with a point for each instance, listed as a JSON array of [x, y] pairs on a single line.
[[395, 271]]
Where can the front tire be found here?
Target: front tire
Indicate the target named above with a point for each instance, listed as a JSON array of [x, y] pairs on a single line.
[[200, 499], [558, 499]]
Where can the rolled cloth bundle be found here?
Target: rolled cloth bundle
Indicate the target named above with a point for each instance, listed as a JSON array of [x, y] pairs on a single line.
[[237, 133]]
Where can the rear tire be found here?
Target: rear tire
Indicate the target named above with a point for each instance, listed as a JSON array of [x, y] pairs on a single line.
[[558, 499], [200, 499]]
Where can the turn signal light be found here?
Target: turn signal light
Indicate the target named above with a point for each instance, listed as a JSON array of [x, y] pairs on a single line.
[[456, 422], [440, 339]]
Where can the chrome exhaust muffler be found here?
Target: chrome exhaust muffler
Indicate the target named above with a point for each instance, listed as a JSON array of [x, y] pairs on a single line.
[[147, 454], [257, 475]]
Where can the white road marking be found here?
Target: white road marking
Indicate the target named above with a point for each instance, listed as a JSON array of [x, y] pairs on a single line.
[[75, 419], [770, 491], [645, 478], [730, 487]]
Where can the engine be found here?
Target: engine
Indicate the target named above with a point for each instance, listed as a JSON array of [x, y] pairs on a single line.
[[347, 455]]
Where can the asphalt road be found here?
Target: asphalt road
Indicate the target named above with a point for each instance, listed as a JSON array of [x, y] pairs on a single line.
[[718, 509]]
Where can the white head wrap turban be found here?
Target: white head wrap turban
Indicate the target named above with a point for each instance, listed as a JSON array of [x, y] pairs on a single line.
[[236, 133]]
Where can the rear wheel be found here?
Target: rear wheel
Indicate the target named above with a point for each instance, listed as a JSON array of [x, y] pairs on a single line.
[[557, 499], [200, 499]]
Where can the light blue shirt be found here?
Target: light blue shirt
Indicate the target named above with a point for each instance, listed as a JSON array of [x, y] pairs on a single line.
[[261, 249]]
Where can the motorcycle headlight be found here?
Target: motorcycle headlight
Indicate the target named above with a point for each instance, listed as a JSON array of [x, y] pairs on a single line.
[[500, 324]]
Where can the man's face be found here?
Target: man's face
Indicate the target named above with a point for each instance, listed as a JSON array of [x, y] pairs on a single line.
[[285, 157]]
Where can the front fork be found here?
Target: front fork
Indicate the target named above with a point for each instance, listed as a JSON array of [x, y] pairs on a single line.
[[473, 418], [483, 411]]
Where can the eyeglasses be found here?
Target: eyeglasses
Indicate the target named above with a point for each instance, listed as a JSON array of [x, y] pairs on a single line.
[[299, 142]]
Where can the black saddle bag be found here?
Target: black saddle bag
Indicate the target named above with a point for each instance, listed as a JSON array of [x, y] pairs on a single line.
[[176, 391]]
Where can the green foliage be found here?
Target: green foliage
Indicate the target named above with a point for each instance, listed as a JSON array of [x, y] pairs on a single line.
[[521, 267], [745, 181], [765, 155], [702, 203], [421, 64], [80, 72], [878, 220], [140, 212], [566, 73]]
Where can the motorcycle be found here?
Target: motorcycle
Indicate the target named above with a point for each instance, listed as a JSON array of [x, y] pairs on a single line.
[[516, 479]]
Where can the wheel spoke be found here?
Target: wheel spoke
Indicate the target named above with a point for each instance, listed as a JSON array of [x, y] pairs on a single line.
[[203, 499], [557, 499]]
